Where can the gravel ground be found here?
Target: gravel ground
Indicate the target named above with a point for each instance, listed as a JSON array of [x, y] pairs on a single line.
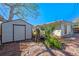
[[24, 48], [35, 49]]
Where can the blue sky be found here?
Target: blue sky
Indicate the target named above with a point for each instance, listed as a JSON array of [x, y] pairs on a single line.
[[50, 12]]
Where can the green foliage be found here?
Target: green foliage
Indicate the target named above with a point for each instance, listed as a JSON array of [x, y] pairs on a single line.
[[42, 28], [55, 42], [52, 41], [36, 32], [50, 26]]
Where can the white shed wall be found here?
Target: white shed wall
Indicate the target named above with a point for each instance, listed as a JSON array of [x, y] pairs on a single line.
[[7, 30], [28, 31], [28, 28]]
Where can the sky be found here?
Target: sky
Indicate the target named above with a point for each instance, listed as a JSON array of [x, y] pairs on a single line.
[[50, 12]]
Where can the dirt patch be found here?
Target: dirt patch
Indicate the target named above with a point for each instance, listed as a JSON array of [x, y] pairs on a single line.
[[38, 49]]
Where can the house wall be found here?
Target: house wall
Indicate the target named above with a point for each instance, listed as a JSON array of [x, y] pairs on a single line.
[[61, 31], [7, 30], [69, 29]]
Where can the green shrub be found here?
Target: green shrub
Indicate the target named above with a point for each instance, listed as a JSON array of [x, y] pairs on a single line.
[[55, 42], [52, 41], [47, 43]]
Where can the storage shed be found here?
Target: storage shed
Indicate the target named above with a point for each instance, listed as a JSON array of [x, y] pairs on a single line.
[[16, 30]]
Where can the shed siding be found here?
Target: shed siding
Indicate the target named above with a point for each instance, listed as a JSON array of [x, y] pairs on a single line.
[[7, 30], [28, 31]]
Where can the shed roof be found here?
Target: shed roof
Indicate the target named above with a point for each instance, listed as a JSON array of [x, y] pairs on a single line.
[[18, 20]]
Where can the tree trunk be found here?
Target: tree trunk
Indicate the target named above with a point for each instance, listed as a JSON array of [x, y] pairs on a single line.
[[11, 13]]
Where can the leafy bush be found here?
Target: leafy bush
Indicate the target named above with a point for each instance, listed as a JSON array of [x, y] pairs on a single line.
[[52, 41]]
